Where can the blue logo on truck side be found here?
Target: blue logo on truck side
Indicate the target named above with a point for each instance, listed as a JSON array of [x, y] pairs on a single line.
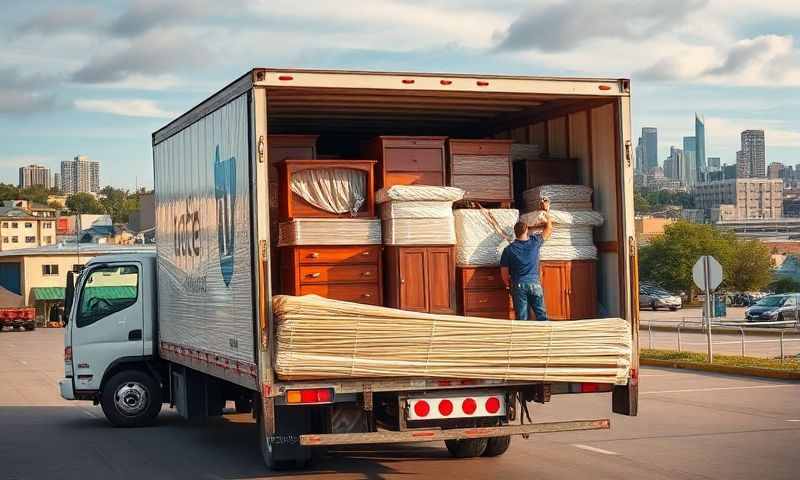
[[225, 195]]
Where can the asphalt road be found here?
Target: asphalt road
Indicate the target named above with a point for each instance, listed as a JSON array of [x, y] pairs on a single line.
[[762, 343], [691, 426]]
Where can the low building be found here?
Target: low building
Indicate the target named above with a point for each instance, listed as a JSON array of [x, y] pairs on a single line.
[[39, 275], [20, 228], [107, 234], [69, 225], [694, 215], [145, 218], [60, 200], [648, 227], [753, 198]]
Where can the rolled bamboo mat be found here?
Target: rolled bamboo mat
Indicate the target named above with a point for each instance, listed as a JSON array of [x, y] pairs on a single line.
[[319, 338]]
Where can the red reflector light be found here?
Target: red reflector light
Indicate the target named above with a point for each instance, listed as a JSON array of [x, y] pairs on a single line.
[[446, 82], [421, 408], [286, 77], [604, 87], [67, 354], [408, 81], [482, 83], [445, 407], [324, 395], [492, 405], [312, 395], [589, 387], [469, 406], [308, 396]]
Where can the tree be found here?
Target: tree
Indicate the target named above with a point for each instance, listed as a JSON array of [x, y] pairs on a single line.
[[785, 285], [36, 194], [751, 267], [640, 203], [8, 192], [119, 203], [668, 259], [84, 203]]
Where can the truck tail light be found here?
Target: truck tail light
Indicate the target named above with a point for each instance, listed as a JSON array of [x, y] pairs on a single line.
[[453, 407], [67, 354], [469, 406], [310, 395], [445, 407], [492, 405], [422, 408]]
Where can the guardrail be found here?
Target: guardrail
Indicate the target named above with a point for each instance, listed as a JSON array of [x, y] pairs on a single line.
[[741, 326]]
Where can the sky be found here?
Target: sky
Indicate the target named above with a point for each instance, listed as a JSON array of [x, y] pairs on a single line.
[[97, 78]]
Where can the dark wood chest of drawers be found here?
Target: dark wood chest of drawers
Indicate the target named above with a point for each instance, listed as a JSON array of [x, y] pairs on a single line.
[[408, 160], [349, 273], [421, 278], [482, 168], [484, 292]]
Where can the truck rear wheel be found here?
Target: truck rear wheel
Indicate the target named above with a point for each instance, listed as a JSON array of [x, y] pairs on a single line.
[[472, 447], [497, 446], [131, 398]]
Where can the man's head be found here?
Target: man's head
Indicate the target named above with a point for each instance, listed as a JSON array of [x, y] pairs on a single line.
[[521, 230]]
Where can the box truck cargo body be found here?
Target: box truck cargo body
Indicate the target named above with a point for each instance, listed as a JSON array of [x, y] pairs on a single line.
[[213, 326]]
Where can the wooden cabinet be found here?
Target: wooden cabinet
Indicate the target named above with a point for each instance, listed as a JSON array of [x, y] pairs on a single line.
[[549, 171], [421, 279], [408, 160], [349, 273], [482, 168], [570, 289], [484, 292], [293, 205]]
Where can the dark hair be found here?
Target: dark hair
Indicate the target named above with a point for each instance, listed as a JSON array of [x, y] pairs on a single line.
[[520, 228]]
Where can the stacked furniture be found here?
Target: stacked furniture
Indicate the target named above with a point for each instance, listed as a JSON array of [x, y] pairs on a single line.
[[408, 160], [328, 236], [569, 257], [481, 236], [419, 255], [482, 168]]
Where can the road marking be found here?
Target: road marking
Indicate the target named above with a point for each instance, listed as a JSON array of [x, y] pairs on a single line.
[[793, 420], [717, 389], [23, 362], [594, 449]]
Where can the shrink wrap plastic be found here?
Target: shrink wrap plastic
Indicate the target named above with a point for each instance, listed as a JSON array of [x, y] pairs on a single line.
[[419, 231], [418, 193], [330, 231], [322, 339], [561, 217], [558, 193], [416, 209], [562, 206], [567, 252], [477, 243]]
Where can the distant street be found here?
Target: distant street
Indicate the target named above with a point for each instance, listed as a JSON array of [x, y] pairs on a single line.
[[691, 426], [764, 343]]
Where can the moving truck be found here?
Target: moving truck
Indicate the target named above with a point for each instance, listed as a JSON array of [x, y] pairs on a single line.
[[191, 325]]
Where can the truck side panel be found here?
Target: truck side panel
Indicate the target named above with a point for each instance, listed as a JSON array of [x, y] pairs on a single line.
[[202, 189]]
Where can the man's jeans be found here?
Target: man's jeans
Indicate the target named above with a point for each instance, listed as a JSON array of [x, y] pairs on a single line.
[[528, 295]]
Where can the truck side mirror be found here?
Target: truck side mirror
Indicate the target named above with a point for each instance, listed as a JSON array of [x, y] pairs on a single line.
[[69, 294]]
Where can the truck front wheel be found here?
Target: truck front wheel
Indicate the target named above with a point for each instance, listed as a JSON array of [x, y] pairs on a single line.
[[131, 398], [472, 447]]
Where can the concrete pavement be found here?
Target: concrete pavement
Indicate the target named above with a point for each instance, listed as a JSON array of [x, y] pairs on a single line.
[[691, 426]]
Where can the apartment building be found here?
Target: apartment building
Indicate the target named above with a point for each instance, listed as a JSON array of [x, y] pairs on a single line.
[[80, 175], [34, 175], [742, 198], [21, 228]]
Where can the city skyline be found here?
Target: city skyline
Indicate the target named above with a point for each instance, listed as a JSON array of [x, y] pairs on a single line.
[[89, 72]]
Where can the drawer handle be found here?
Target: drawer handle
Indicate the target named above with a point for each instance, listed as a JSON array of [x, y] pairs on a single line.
[[365, 254], [312, 275], [366, 295], [313, 255], [483, 300], [366, 274], [490, 277]]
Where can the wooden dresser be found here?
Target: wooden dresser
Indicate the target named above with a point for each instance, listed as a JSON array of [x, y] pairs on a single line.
[[421, 278], [482, 168], [408, 160], [484, 292], [570, 289], [349, 273]]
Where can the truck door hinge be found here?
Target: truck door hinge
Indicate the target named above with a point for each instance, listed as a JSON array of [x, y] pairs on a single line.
[[261, 149], [628, 153], [366, 398]]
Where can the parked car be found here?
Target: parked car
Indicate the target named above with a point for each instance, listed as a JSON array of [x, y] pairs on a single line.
[[656, 297], [774, 308]]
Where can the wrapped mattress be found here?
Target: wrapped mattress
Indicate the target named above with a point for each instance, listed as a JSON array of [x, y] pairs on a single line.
[[330, 231], [418, 193], [567, 252], [322, 339], [419, 231], [572, 237], [559, 193], [478, 243]]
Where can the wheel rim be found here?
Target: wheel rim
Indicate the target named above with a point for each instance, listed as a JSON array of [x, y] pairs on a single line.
[[131, 398]]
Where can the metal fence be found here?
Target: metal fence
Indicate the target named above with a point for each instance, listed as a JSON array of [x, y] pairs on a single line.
[[698, 324]]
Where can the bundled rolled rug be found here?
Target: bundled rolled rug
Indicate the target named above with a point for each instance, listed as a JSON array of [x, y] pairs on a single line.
[[324, 339]]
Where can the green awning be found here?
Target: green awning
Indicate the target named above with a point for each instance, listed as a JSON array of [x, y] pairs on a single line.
[[48, 293], [110, 292]]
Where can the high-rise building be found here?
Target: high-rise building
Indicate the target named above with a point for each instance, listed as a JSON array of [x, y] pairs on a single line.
[[57, 182], [714, 162], [639, 155], [80, 175], [742, 165], [689, 173], [753, 152], [650, 139], [34, 175], [675, 164], [700, 147], [775, 170]]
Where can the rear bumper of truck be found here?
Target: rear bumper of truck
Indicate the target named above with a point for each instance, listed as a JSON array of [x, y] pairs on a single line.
[[66, 389], [432, 435]]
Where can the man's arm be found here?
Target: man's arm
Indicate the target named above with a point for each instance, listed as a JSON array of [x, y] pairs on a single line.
[[548, 227]]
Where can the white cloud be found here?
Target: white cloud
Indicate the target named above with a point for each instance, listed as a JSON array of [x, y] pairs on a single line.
[[127, 108], [776, 133]]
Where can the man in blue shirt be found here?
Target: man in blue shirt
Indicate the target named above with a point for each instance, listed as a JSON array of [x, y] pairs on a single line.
[[521, 258]]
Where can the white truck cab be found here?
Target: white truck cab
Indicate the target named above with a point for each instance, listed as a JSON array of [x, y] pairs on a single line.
[[108, 343]]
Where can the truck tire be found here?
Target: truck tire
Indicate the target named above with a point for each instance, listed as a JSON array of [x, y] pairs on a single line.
[[497, 446], [131, 398], [289, 421], [30, 327], [468, 448]]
